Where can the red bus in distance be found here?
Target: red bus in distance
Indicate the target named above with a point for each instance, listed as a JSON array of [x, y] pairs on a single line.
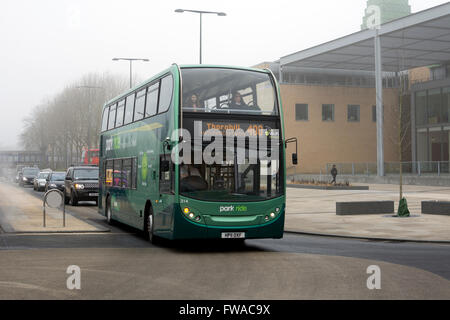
[[90, 156]]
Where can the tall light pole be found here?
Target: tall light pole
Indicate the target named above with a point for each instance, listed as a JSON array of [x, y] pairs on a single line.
[[131, 62], [200, 12]]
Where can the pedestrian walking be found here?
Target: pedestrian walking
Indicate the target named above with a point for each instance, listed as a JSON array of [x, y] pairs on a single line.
[[334, 173]]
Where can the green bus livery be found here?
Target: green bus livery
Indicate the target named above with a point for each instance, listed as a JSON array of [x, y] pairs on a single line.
[[145, 181]]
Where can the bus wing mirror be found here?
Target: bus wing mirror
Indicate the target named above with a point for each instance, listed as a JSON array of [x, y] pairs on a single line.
[[294, 159], [294, 155], [164, 165], [167, 144]]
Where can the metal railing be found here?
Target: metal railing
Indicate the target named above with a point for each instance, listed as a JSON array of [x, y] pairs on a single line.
[[54, 199], [393, 168]]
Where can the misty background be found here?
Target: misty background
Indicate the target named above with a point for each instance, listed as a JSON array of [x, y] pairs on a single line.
[[49, 47]]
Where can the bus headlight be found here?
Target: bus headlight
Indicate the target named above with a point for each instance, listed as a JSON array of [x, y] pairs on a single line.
[[189, 214], [272, 215], [79, 186]]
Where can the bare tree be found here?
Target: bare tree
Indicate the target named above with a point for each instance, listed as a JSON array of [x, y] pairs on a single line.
[[400, 113], [61, 127]]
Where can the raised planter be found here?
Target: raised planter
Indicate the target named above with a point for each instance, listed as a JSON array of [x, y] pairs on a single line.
[[307, 186], [364, 207], [436, 207]]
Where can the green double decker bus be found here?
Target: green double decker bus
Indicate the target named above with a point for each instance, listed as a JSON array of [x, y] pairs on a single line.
[[156, 172]]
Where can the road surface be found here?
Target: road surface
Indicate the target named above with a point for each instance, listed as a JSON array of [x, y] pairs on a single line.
[[121, 264]]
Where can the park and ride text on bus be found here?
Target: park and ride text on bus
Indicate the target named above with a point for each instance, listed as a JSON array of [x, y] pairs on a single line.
[[196, 152]]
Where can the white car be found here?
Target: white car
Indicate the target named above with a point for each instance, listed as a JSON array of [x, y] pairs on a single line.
[[40, 180]]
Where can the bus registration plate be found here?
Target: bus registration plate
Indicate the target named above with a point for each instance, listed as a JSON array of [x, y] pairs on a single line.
[[233, 235]]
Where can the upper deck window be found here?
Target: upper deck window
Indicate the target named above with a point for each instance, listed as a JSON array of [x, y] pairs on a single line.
[[105, 119], [140, 105], [129, 108], [112, 116], [119, 113], [152, 100], [228, 91], [165, 96]]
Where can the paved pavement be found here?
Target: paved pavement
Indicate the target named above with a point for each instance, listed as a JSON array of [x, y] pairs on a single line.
[[314, 211], [308, 211], [22, 212]]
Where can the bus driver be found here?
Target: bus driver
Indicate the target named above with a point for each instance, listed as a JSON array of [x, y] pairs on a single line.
[[191, 179]]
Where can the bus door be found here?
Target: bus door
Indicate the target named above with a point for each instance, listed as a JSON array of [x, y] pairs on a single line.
[[124, 192], [165, 201], [114, 180]]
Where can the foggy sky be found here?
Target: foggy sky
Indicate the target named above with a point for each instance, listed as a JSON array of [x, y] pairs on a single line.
[[47, 44]]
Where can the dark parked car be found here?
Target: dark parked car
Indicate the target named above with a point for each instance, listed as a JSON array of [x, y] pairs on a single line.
[[28, 175], [55, 180], [81, 184]]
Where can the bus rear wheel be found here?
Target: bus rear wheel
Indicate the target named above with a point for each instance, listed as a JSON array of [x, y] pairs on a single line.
[[109, 218], [150, 227]]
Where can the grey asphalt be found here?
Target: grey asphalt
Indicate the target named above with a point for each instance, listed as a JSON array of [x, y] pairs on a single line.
[[434, 258], [122, 264]]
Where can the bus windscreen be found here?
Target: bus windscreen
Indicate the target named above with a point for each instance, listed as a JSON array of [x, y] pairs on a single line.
[[229, 91]]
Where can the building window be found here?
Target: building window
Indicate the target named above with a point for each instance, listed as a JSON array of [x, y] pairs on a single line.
[[328, 112], [438, 73], [374, 113], [445, 104], [301, 112], [422, 144], [433, 145], [421, 107], [353, 113], [434, 106]]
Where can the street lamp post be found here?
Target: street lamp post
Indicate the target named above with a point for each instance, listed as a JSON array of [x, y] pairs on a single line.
[[131, 61], [200, 12]]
